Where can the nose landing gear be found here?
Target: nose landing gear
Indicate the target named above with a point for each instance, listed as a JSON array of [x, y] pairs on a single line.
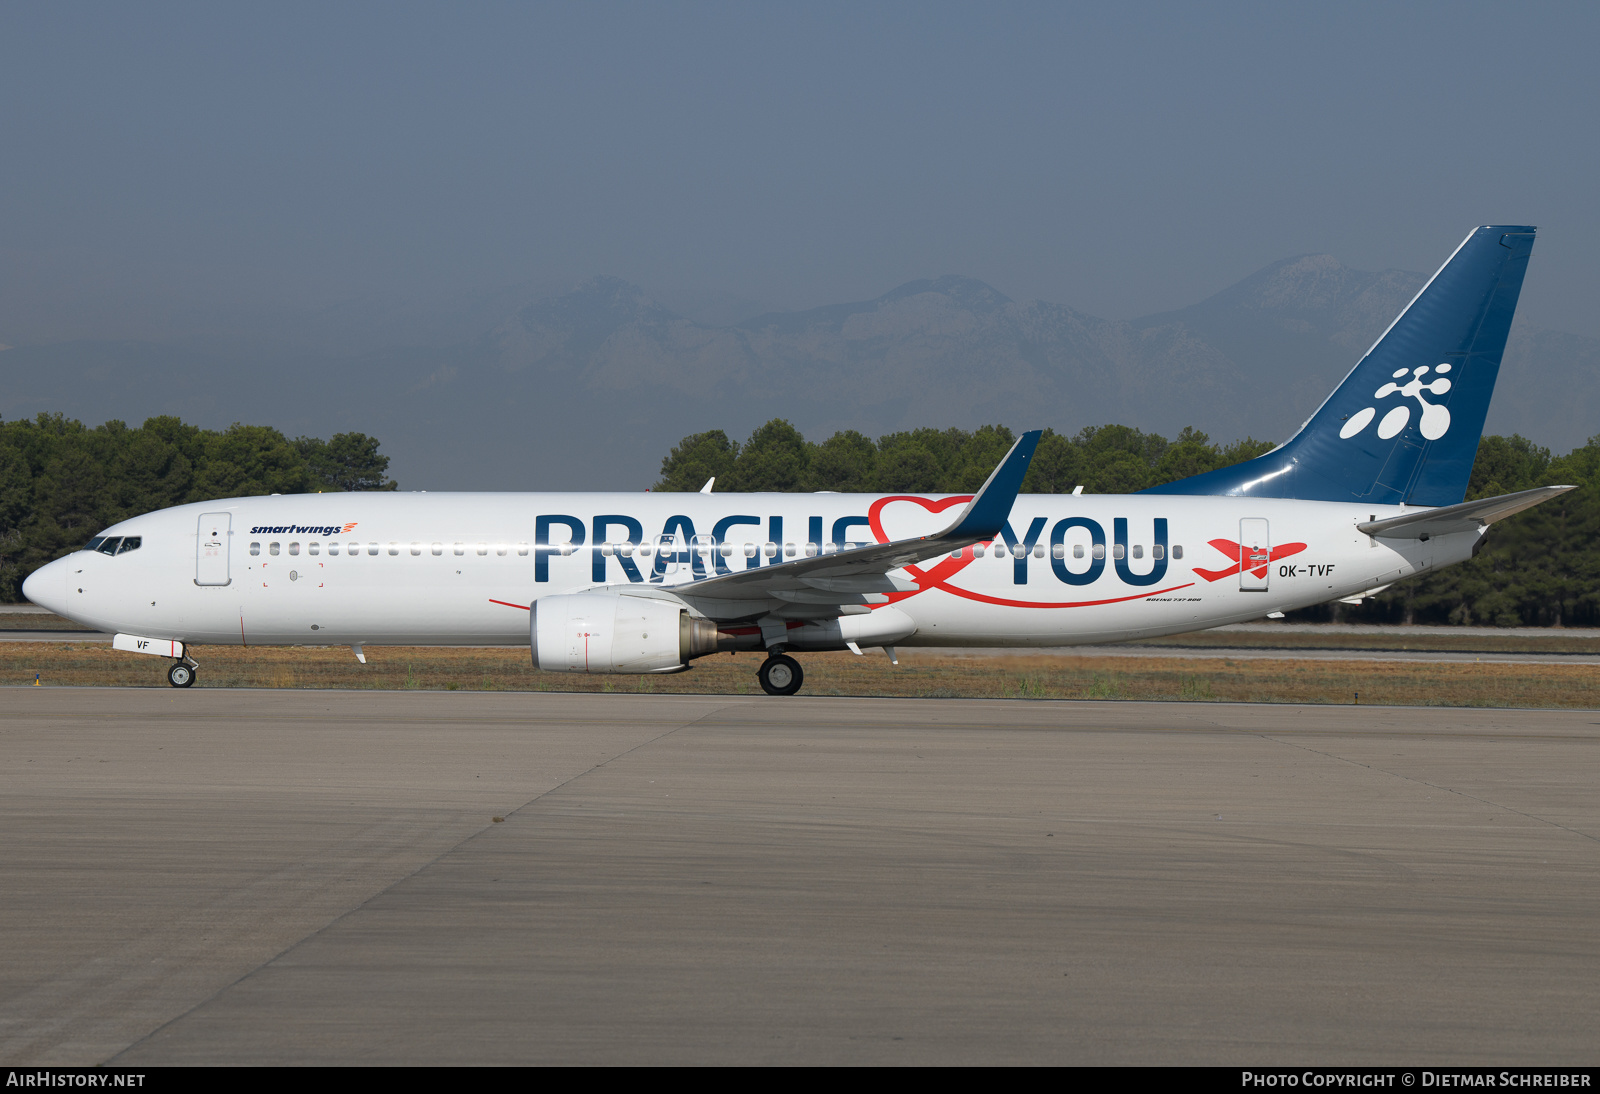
[[181, 674], [780, 675]]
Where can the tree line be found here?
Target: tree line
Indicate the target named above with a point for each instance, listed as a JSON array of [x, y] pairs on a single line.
[[1109, 459], [1538, 568], [61, 482]]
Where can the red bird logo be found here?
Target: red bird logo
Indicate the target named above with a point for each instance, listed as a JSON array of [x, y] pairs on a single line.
[[1256, 560]]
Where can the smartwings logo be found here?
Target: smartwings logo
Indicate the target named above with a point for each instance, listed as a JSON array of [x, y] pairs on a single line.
[[1435, 418], [302, 529]]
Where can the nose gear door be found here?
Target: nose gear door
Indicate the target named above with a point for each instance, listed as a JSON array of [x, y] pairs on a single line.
[[1255, 554], [211, 549]]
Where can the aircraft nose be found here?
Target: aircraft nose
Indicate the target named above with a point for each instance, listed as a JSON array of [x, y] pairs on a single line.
[[47, 586]]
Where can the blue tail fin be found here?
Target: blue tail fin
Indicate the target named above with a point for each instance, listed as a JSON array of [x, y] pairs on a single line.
[[1404, 425]]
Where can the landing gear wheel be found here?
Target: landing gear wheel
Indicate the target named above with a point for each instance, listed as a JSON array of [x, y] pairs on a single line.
[[180, 675], [780, 675]]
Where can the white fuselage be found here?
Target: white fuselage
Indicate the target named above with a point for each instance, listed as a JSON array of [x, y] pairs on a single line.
[[462, 569]]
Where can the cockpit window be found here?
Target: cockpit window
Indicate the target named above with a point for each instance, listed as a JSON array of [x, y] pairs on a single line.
[[114, 545]]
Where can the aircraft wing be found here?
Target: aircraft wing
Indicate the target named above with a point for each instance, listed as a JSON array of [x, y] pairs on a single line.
[[1468, 516], [845, 577]]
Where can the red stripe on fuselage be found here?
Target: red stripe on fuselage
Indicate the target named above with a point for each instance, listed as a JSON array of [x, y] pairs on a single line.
[[1004, 603]]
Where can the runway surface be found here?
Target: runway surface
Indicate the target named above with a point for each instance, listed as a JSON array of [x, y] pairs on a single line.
[[316, 877]]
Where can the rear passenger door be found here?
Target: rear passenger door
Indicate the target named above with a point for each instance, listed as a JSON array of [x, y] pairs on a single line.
[[1255, 554]]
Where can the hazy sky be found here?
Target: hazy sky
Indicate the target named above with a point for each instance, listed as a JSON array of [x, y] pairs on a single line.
[[163, 165]]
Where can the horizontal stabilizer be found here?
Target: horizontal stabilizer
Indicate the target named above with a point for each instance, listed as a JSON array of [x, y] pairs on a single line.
[[1468, 516]]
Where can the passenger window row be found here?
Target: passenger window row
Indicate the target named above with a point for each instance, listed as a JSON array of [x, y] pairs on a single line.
[[1059, 550], [315, 547], [702, 545]]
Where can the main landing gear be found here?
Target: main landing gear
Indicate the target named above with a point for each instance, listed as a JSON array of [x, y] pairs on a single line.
[[181, 674], [780, 675]]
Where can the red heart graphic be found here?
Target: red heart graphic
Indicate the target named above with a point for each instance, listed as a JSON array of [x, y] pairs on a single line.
[[947, 568], [939, 576]]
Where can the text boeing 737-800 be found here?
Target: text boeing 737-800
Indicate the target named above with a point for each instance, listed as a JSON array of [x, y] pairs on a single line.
[[1367, 492]]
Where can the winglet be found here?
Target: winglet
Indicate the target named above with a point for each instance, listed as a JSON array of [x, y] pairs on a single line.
[[986, 513]]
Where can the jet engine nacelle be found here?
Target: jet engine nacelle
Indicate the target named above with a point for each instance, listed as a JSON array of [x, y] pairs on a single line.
[[604, 632]]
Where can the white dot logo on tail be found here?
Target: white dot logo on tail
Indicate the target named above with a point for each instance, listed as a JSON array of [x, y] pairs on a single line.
[[1435, 418]]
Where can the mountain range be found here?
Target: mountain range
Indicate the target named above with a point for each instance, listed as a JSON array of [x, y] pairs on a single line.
[[588, 387]]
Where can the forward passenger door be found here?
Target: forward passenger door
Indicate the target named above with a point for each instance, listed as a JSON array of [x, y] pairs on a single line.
[[211, 549]]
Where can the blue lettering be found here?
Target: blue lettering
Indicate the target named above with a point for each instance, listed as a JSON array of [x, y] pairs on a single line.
[[841, 529], [720, 533], [295, 530], [775, 536], [1158, 567], [676, 525], [630, 569], [541, 542], [1019, 575], [1097, 536]]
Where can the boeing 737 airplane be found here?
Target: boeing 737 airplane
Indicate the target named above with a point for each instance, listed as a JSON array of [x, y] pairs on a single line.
[[1369, 491]]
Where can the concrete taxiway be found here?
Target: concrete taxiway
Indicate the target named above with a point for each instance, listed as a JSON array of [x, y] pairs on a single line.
[[273, 877]]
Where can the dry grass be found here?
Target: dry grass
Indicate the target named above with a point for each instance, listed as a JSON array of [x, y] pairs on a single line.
[[922, 674], [36, 621], [1552, 640]]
